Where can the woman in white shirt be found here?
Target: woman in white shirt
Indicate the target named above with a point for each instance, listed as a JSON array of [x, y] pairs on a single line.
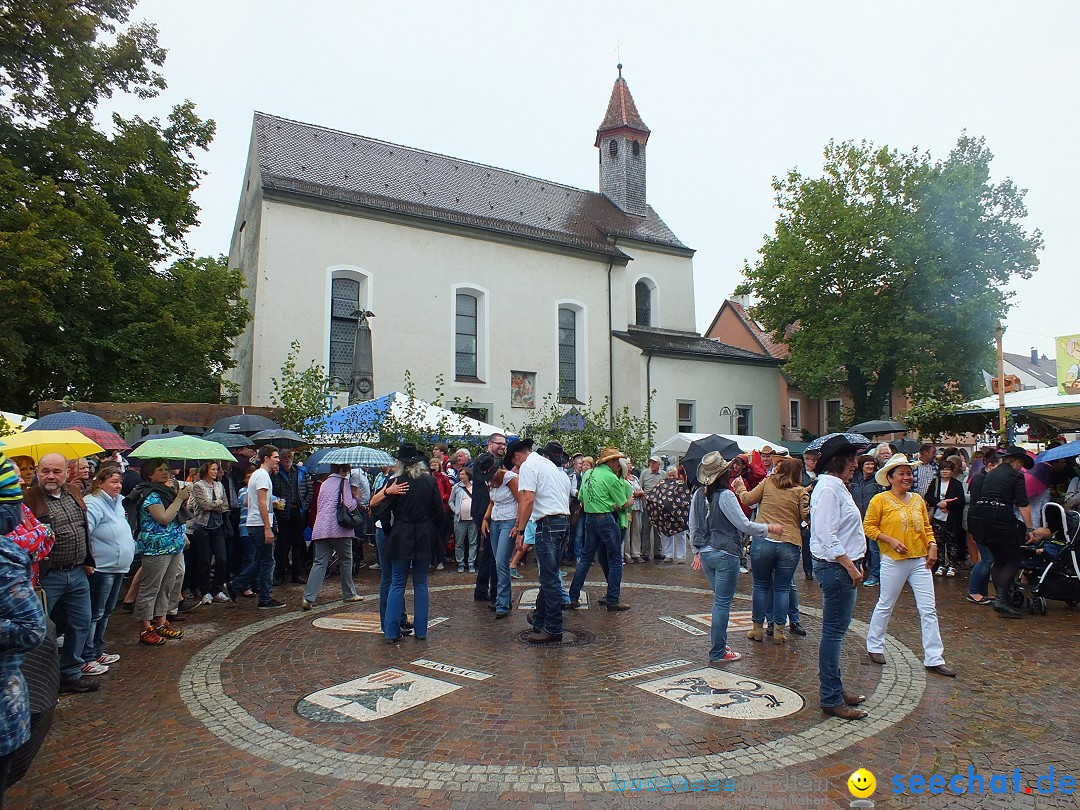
[[499, 520], [461, 499]]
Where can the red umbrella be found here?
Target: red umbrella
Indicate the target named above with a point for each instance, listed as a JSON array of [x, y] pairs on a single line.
[[108, 439]]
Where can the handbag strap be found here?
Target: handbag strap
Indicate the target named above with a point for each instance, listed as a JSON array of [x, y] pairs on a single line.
[[341, 493]]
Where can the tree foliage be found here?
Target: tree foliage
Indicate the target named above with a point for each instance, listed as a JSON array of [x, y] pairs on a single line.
[[302, 395], [890, 270], [89, 216], [588, 429]]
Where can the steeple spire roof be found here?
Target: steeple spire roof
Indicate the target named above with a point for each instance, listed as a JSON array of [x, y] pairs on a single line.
[[622, 113]]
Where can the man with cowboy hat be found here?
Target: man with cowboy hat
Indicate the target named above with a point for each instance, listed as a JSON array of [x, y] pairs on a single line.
[[544, 498], [602, 494]]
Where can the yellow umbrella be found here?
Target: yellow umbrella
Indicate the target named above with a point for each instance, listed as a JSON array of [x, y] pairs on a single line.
[[37, 443]]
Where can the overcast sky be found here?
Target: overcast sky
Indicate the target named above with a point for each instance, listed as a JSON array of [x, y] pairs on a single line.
[[734, 93]]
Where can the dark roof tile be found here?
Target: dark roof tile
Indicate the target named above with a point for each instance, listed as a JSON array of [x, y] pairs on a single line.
[[690, 345]]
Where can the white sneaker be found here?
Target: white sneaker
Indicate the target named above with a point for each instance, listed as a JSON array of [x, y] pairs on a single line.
[[94, 668], [743, 569], [108, 658], [439, 567], [950, 571], [207, 599], [374, 566], [221, 597]]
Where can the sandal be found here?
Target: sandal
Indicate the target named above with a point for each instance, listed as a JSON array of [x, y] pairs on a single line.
[[150, 636], [975, 601]]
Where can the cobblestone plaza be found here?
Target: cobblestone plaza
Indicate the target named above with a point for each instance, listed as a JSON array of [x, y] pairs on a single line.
[[312, 709]]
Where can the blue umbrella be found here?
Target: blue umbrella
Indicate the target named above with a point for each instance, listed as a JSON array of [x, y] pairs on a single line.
[[1070, 450], [358, 456], [314, 463], [855, 438], [70, 419]]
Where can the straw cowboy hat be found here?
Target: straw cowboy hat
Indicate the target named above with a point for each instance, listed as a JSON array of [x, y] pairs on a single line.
[[609, 454], [898, 460], [712, 466]]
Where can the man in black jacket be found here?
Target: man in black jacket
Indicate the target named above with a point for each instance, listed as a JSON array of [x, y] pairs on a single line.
[[291, 531], [482, 470]]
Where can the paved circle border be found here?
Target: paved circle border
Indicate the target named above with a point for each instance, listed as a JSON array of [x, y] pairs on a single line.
[[897, 694]]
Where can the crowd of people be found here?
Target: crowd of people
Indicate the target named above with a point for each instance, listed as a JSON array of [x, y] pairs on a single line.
[[229, 531]]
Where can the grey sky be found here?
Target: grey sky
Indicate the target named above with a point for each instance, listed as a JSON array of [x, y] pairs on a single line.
[[734, 93]]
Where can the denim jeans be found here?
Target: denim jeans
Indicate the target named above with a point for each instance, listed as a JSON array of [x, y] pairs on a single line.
[[324, 549], [551, 535], [207, 543], [465, 534], [104, 591], [873, 559], [395, 603], [774, 566], [248, 546], [260, 571], [68, 594], [979, 581], [578, 536], [504, 550], [601, 530], [385, 575], [722, 571], [837, 604]]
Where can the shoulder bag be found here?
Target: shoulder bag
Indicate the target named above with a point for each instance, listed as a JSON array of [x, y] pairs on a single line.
[[348, 518]]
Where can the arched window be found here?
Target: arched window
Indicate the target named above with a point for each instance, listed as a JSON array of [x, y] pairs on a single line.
[[344, 317], [643, 300], [567, 353], [466, 320]]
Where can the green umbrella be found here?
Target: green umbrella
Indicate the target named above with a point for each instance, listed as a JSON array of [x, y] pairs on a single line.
[[183, 448]]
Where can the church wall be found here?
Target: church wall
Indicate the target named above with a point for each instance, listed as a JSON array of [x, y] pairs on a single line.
[[410, 275], [673, 301]]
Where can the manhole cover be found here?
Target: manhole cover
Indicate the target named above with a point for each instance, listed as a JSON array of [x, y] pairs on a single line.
[[571, 638]]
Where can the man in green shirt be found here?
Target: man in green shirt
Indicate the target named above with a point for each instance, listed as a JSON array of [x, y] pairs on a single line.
[[603, 496]]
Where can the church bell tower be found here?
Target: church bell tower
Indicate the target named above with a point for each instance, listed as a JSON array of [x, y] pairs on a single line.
[[621, 139]]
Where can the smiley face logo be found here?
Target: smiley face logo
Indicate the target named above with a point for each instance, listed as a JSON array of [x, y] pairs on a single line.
[[861, 783]]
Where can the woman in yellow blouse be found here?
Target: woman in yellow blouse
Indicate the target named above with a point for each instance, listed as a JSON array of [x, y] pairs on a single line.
[[898, 521]]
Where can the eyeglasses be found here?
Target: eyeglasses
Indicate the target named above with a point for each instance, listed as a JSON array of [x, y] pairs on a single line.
[[497, 444]]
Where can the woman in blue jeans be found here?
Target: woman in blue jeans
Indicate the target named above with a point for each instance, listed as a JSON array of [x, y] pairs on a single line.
[[838, 545], [498, 521], [717, 526]]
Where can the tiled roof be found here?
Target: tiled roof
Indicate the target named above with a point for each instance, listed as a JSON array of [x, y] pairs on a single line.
[[1045, 372], [622, 111], [690, 345], [774, 349], [314, 161]]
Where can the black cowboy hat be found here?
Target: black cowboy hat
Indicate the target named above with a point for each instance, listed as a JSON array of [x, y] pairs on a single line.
[[836, 446], [514, 447], [1012, 451], [408, 454], [554, 451]]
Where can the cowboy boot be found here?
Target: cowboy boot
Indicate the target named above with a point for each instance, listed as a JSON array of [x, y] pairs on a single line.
[[779, 634], [757, 633]]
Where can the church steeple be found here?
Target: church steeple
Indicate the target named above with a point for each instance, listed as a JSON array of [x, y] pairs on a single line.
[[621, 139]]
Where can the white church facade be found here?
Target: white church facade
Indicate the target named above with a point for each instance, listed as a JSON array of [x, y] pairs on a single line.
[[508, 286]]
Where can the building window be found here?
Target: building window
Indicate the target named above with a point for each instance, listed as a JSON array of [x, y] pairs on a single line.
[[344, 317], [465, 335], [567, 355], [481, 412], [833, 415], [795, 419], [685, 416], [744, 420], [643, 297]]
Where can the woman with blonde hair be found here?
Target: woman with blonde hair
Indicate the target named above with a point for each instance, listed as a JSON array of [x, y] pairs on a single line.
[[775, 557]]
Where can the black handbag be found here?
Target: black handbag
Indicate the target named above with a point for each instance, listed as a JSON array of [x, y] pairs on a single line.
[[348, 518]]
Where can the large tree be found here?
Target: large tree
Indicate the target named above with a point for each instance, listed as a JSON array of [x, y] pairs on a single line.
[[91, 216], [890, 270]]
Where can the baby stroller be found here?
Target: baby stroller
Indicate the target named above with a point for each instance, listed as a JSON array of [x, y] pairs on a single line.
[[1051, 570]]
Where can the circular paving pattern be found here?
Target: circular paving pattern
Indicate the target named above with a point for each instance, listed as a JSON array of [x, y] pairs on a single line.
[[571, 638], [304, 697]]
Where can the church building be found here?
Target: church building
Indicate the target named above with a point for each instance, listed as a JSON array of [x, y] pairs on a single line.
[[510, 287]]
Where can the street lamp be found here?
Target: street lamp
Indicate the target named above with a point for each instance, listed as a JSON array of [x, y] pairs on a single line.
[[334, 385], [730, 414]]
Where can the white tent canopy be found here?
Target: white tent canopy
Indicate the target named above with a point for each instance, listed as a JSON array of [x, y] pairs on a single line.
[[1060, 410], [416, 412], [678, 444]]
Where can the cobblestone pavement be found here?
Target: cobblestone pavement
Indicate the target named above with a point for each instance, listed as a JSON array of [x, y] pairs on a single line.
[[287, 709]]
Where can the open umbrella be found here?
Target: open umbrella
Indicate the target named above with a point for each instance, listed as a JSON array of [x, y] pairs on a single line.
[[37, 443], [1070, 450], [280, 438], [172, 434], [109, 439], [908, 447], [699, 448], [855, 438], [877, 426], [247, 423], [230, 440], [358, 456], [183, 448], [70, 419], [668, 506]]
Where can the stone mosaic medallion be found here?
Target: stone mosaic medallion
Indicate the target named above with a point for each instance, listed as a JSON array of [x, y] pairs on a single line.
[[726, 694], [359, 622], [373, 697], [737, 620]]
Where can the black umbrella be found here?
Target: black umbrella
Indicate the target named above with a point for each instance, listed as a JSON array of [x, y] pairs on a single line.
[[170, 435], [908, 447], [877, 426], [246, 423], [700, 448], [230, 440], [279, 437]]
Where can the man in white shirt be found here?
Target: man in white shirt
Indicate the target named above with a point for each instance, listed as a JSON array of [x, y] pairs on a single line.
[[544, 498], [260, 516]]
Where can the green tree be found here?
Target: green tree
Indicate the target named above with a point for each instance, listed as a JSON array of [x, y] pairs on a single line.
[[89, 216], [302, 395], [588, 429], [890, 270]]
